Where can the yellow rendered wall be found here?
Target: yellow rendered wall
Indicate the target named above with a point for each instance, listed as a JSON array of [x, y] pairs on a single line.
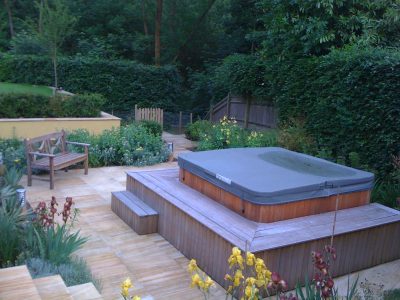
[[28, 128]]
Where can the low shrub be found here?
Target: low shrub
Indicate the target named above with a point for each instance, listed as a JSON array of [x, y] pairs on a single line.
[[152, 127], [294, 136], [195, 130], [39, 106], [127, 145], [227, 134], [13, 152], [73, 273]]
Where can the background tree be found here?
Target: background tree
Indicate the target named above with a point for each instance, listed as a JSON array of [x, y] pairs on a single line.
[[7, 5], [303, 28], [57, 24], [157, 34]]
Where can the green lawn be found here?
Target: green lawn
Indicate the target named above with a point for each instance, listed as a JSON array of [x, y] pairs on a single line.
[[6, 87]]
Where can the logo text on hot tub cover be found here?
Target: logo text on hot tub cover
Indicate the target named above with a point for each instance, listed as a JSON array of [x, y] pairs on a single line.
[[223, 178]]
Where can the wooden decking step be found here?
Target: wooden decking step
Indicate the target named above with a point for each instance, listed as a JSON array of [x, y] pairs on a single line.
[[86, 291], [17, 283], [52, 288], [134, 212]]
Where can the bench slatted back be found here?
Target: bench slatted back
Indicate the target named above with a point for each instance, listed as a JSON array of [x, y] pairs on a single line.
[[48, 143]]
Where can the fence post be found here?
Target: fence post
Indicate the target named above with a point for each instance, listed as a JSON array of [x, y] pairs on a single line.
[[191, 118], [136, 118], [228, 105], [247, 112], [180, 122]]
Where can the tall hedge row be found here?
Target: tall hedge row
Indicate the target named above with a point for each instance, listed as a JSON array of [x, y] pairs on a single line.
[[349, 99], [122, 83]]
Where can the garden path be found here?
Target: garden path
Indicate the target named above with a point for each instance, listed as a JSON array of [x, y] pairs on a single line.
[[181, 143]]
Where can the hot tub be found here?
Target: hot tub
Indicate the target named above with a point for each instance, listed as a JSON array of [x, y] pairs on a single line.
[[272, 184]]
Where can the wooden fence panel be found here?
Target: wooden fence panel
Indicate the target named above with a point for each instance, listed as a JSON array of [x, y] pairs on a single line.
[[235, 107], [149, 114]]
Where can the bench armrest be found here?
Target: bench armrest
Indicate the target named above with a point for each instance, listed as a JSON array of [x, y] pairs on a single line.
[[42, 154], [78, 144]]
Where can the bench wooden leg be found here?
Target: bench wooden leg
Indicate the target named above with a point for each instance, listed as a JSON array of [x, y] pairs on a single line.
[[51, 173], [86, 164], [29, 171]]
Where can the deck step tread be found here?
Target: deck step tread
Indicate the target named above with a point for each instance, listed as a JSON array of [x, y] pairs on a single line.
[[52, 288], [134, 212], [135, 204], [17, 283], [86, 291]]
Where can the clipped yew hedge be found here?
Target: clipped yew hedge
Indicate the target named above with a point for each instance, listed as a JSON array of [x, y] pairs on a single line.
[[122, 83], [350, 100]]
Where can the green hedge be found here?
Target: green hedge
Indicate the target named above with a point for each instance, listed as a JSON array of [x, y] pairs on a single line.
[[122, 83], [38, 106], [349, 100]]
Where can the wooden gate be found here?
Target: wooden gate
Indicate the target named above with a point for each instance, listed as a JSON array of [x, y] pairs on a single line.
[[149, 114]]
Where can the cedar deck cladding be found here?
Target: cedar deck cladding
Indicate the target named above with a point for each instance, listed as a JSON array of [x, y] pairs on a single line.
[[205, 230]]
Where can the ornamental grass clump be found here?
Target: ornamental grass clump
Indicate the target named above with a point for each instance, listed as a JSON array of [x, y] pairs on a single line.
[[48, 239]]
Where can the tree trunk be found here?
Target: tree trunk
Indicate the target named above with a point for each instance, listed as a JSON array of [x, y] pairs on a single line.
[[157, 34], [54, 58], [145, 28], [10, 18]]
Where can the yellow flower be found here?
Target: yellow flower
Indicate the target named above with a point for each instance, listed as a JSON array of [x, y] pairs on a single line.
[[195, 280], [139, 149], [192, 266], [236, 258], [125, 292], [250, 258], [136, 298], [127, 283], [250, 292], [237, 278], [208, 283], [250, 281]]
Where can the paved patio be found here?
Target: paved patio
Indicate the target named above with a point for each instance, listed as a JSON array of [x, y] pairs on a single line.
[[114, 251]]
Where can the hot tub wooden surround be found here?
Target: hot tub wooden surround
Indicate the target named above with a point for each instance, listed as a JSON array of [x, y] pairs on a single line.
[[272, 212], [203, 229]]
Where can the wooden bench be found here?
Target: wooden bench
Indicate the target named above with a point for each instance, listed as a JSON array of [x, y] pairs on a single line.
[[50, 152], [134, 212]]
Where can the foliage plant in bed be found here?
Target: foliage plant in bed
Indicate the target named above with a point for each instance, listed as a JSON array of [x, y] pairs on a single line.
[[227, 134], [131, 145]]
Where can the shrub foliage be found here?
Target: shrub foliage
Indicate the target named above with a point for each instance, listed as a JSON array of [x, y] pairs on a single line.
[[38, 106], [348, 100], [123, 83]]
